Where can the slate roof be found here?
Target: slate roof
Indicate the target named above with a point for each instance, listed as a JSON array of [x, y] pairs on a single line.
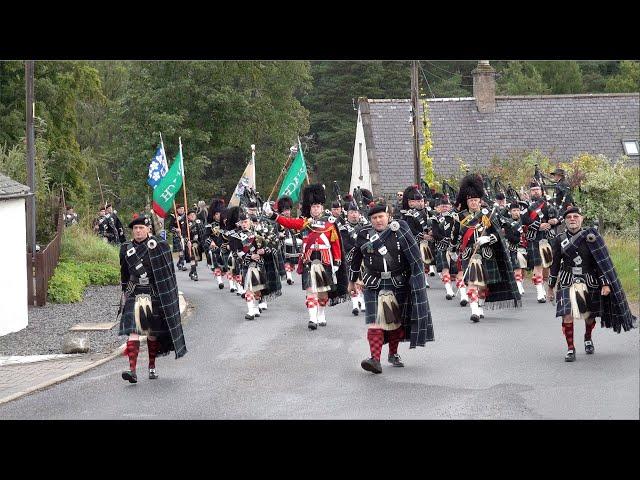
[[560, 126], [12, 189]]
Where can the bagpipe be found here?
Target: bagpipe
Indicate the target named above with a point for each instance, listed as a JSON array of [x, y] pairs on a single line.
[[449, 190], [336, 191], [545, 183]]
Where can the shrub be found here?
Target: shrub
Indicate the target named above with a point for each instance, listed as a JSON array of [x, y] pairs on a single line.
[[101, 273], [66, 285]]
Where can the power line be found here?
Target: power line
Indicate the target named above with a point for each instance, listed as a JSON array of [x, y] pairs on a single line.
[[425, 79]]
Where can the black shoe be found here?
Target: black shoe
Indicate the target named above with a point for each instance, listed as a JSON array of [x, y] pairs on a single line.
[[256, 315], [152, 374], [130, 375], [570, 356], [427, 285], [464, 303], [395, 360], [475, 318], [232, 290], [588, 347], [289, 281], [356, 311], [249, 317], [194, 277], [449, 297], [312, 325], [371, 365], [431, 274], [221, 286], [542, 300]]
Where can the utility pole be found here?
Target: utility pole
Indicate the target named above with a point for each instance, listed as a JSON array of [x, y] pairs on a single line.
[[31, 199], [414, 121]]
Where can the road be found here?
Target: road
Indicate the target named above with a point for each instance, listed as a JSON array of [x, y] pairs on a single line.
[[508, 366]]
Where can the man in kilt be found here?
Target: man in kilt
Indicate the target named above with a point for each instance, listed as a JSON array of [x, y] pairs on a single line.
[[538, 221], [587, 284], [195, 243], [229, 220], [178, 227], [323, 273], [214, 240], [516, 243], [149, 303], [105, 226], [442, 226], [252, 253], [485, 263], [349, 232], [117, 223], [291, 241], [387, 259], [419, 221]]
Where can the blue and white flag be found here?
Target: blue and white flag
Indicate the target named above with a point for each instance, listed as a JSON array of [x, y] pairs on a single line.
[[158, 167]]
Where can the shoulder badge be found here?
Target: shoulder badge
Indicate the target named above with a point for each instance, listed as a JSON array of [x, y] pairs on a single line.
[[591, 237], [331, 219], [198, 220], [152, 243], [485, 211], [131, 251], [394, 226]]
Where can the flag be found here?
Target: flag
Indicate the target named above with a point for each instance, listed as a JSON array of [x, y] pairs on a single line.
[[158, 167], [295, 177], [247, 180], [168, 187]]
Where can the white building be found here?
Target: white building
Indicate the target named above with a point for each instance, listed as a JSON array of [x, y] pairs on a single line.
[[14, 314]]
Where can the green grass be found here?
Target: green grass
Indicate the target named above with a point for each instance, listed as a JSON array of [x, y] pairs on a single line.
[[84, 260], [624, 251]]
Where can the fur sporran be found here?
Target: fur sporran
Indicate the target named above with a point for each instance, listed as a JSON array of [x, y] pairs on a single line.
[[546, 254], [522, 259], [320, 280], [143, 311], [477, 273], [579, 306], [255, 279], [389, 315], [426, 253]]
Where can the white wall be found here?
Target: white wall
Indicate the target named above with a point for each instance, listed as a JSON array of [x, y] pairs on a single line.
[[365, 181], [14, 314]]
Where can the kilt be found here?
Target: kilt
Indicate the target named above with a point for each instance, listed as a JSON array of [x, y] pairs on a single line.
[[371, 300], [533, 254], [128, 322], [306, 276], [441, 262], [176, 243], [563, 302], [490, 267], [514, 259]]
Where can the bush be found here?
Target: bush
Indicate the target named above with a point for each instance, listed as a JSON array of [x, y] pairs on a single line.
[[84, 260]]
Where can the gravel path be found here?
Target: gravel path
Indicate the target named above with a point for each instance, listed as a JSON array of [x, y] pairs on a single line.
[[49, 324]]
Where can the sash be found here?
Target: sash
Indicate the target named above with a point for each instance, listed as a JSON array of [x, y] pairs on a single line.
[[420, 216], [534, 214], [134, 261], [569, 246]]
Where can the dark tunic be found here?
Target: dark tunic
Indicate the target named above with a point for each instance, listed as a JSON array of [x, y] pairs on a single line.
[[396, 257], [151, 259], [442, 227], [539, 212]]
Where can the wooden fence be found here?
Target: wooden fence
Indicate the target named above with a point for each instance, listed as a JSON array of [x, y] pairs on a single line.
[[43, 264]]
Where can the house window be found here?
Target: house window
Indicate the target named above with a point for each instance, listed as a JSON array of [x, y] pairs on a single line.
[[630, 147], [360, 154]]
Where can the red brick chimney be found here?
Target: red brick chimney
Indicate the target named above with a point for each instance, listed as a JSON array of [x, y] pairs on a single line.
[[484, 87]]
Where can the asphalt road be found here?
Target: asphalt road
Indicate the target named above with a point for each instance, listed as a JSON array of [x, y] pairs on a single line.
[[508, 366]]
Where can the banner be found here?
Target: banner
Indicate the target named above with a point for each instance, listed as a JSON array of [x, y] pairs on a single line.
[[296, 175], [169, 186]]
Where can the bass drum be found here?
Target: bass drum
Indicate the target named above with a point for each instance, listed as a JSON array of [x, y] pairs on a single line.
[[291, 250]]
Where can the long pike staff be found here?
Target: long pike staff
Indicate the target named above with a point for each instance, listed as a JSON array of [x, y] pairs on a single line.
[[186, 209], [100, 185], [284, 169]]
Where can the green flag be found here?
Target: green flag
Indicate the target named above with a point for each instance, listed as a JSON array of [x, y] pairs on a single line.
[[295, 177], [169, 186]]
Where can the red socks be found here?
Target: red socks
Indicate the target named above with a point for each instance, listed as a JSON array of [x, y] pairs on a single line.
[[376, 339], [154, 347], [446, 278], [472, 293], [322, 302], [131, 350], [590, 327], [567, 328], [394, 339]]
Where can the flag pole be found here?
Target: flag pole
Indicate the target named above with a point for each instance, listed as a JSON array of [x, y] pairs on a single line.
[[184, 188], [307, 170], [284, 168], [100, 185]]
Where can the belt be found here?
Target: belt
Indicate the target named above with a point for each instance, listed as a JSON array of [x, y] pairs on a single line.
[[396, 274], [144, 281]]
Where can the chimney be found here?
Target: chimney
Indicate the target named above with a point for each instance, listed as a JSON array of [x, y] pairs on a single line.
[[484, 87]]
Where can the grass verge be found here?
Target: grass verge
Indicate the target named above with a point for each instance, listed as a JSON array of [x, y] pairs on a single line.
[[624, 251]]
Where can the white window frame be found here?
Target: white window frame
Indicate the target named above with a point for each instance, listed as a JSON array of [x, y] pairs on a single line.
[[626, 152]]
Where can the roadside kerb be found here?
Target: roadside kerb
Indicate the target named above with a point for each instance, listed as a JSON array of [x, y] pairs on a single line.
[[117, 352]]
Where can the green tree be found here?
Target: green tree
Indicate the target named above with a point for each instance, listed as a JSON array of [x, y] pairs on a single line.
[[521, 78], [628, 80], [562, 77]]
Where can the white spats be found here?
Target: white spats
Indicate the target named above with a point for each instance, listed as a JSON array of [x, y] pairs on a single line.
[[448, 289], [520, 287], [540, 292], [263, 305]]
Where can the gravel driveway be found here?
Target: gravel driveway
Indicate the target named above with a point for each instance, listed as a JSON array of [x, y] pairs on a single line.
[[49, 324]]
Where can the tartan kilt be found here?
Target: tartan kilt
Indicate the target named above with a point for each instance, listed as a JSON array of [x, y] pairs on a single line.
[[563, 302], [176, 243], [441, 262], [306, 276], [514, 259], [533, 254], [490, 266], [159, 327], [403, 296], [272, 273], [224, 257]]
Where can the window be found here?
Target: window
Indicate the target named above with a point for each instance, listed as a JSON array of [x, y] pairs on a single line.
[[630, 147]]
